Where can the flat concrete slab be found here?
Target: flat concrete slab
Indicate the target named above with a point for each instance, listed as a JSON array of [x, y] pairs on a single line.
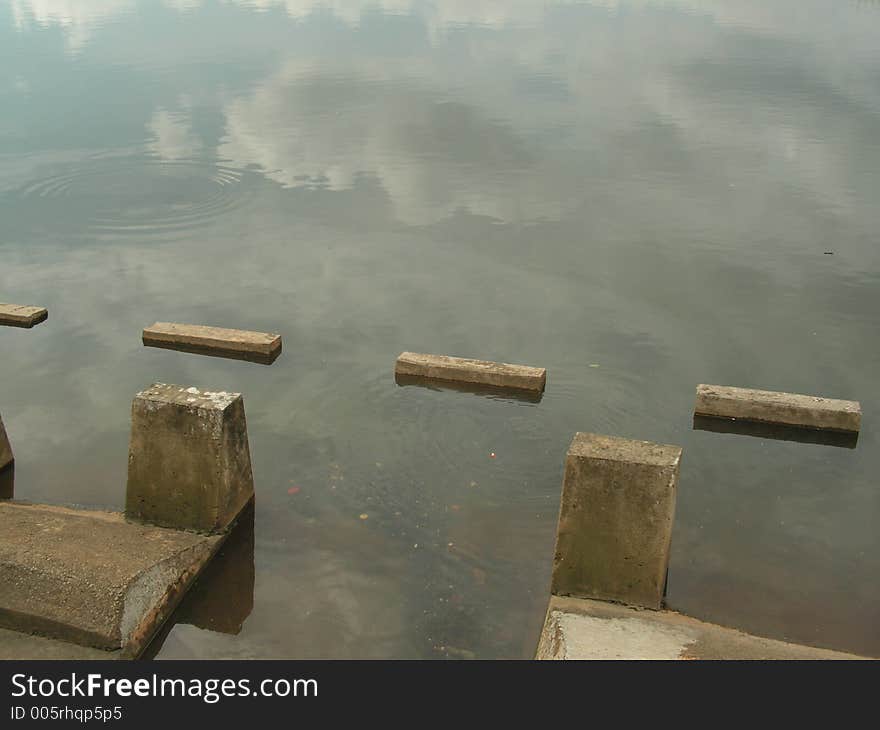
[[20, 315], [584, 629], [92, 578], [463, 370], [261, 347], [789, 409]]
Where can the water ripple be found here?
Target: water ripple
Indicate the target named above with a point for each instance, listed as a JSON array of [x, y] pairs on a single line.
[[125, 196]]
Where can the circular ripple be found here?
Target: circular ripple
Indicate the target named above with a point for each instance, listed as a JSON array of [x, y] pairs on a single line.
[[143, 197]]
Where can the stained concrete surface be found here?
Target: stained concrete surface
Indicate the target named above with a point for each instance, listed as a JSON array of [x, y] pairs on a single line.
[[615, 520], [189, 464], [90, 577], [585, 629]]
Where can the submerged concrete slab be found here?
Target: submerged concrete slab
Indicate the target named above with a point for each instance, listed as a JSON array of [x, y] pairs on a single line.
[[92, 578], [189, 464], [5, 447], [789, 409], [20, 315], [261, 347], [584, 629], [482, 372], [615, 520]]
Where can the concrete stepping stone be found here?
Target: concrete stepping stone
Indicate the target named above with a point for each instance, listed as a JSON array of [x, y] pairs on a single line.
[[20, 315], [261, 347], [463, 370], [788, 409]]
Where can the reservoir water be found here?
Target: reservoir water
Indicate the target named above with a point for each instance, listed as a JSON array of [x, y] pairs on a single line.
[[638, 195]]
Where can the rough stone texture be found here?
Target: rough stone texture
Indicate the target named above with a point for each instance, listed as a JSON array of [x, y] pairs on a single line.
[[441, 367], [242, 344], [5, 447], [788, 409], [18, 315], [584, 629], [92, 578], [615, 520], [189, 463]]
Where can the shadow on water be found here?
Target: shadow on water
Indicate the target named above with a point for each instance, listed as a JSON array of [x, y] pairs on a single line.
[[779, 433], [7, 482], [487, 391], [223, 595], [247, 356]]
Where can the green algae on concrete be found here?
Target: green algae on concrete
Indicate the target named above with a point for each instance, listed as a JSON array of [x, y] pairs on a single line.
[[189, 464]]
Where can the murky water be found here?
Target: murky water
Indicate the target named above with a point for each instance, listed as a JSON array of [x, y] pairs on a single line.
[[639, 196]]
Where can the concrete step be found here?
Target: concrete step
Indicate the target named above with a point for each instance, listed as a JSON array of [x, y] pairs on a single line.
[[577, 628], [91, 577]]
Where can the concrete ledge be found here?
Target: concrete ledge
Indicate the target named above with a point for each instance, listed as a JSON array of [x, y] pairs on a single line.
[[5, 447], [789, 409], [583, 629], [261, 347], [19, 315], [481, 372], [189, 464], [92, 578], [615, 520]]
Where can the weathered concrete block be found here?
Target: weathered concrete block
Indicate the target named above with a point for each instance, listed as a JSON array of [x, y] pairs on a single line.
[[260, 347], [457, 369], [615, 520], [92, 578], [189, 463], [19, 315], [5, 447], [788, 409]]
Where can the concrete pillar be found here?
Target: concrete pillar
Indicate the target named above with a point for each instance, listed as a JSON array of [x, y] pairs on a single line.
[[189, 464], [5, 447], [615, 520]]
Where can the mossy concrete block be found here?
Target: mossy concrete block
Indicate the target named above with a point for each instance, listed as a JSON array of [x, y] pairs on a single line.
[[189, 463], [5, 447], [615, 520]]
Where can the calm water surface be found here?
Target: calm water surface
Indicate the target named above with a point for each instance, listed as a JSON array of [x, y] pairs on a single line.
[[637, 195]]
